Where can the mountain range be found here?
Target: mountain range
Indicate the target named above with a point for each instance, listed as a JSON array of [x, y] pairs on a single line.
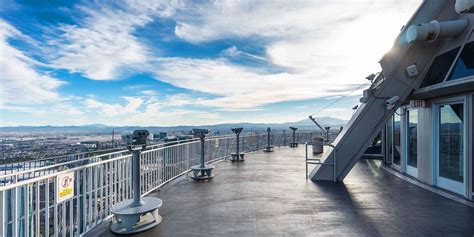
[[305, 124]]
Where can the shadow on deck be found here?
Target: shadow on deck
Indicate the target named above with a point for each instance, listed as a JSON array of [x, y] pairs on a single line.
[[267, 195]]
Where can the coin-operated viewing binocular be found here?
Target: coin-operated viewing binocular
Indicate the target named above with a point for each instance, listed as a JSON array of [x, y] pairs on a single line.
[[136, 139], [199, 131], [138, 214], [237, 130]]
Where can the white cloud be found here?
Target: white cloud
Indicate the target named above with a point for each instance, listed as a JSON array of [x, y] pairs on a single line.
[[149, 111], [229, 19], [102, 45], [282, 20], [241, 87], [21, 83], [180, 100], [110, 110], [149, 92], [327, 47], [319, 49], [234, 52], [340, 113]]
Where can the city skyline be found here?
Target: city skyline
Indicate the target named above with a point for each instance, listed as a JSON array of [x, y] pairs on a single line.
[[161, 63]]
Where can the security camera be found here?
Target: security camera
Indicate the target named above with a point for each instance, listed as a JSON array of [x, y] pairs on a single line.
[[370, 77], [137, 138], [390, 103]]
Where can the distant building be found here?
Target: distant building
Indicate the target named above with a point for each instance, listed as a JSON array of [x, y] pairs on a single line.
[[90, 144], [160, 136]]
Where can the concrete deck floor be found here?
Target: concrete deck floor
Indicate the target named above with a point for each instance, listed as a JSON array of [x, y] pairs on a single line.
[[267, 195]]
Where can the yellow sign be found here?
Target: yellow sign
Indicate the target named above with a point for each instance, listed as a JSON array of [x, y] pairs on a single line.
[[65, 187]]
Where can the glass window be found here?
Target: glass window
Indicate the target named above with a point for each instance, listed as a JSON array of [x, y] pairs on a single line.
[[451, 142], [465, 65], [396, 137], [412, 138], [440, 67]]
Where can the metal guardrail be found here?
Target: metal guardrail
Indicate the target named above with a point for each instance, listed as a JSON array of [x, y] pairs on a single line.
[[317, 161], [71, 161], [9, 168], [29, 204]]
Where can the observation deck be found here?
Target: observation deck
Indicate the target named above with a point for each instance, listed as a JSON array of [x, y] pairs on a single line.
[[266, 195]]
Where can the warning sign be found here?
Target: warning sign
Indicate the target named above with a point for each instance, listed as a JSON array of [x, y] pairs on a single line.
[[65, 186]]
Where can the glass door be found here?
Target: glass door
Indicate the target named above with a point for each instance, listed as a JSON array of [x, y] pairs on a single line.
[[396, 137], [450, 150], [412, 143], [388, 144]]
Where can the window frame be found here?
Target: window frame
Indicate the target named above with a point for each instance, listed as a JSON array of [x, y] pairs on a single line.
[[449, 185], [400, 114], [411, 170], [469, 39]]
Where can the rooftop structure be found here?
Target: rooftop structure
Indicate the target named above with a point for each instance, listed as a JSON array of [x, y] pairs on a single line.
[[422, 102]]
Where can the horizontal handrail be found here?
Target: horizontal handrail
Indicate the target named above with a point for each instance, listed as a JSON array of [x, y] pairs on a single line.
[[16, 173], [160, 147], [34, 170], [40, 178]]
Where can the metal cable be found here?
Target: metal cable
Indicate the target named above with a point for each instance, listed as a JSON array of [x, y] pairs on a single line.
[[339, 99]]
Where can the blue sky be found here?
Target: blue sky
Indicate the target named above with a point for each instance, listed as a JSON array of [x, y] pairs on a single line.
[[146, 62]]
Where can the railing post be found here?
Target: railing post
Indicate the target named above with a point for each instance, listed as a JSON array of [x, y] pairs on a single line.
[[3, 221], [257, 139], [306, 157], [188, 154], [15, 209], [227, 147]]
